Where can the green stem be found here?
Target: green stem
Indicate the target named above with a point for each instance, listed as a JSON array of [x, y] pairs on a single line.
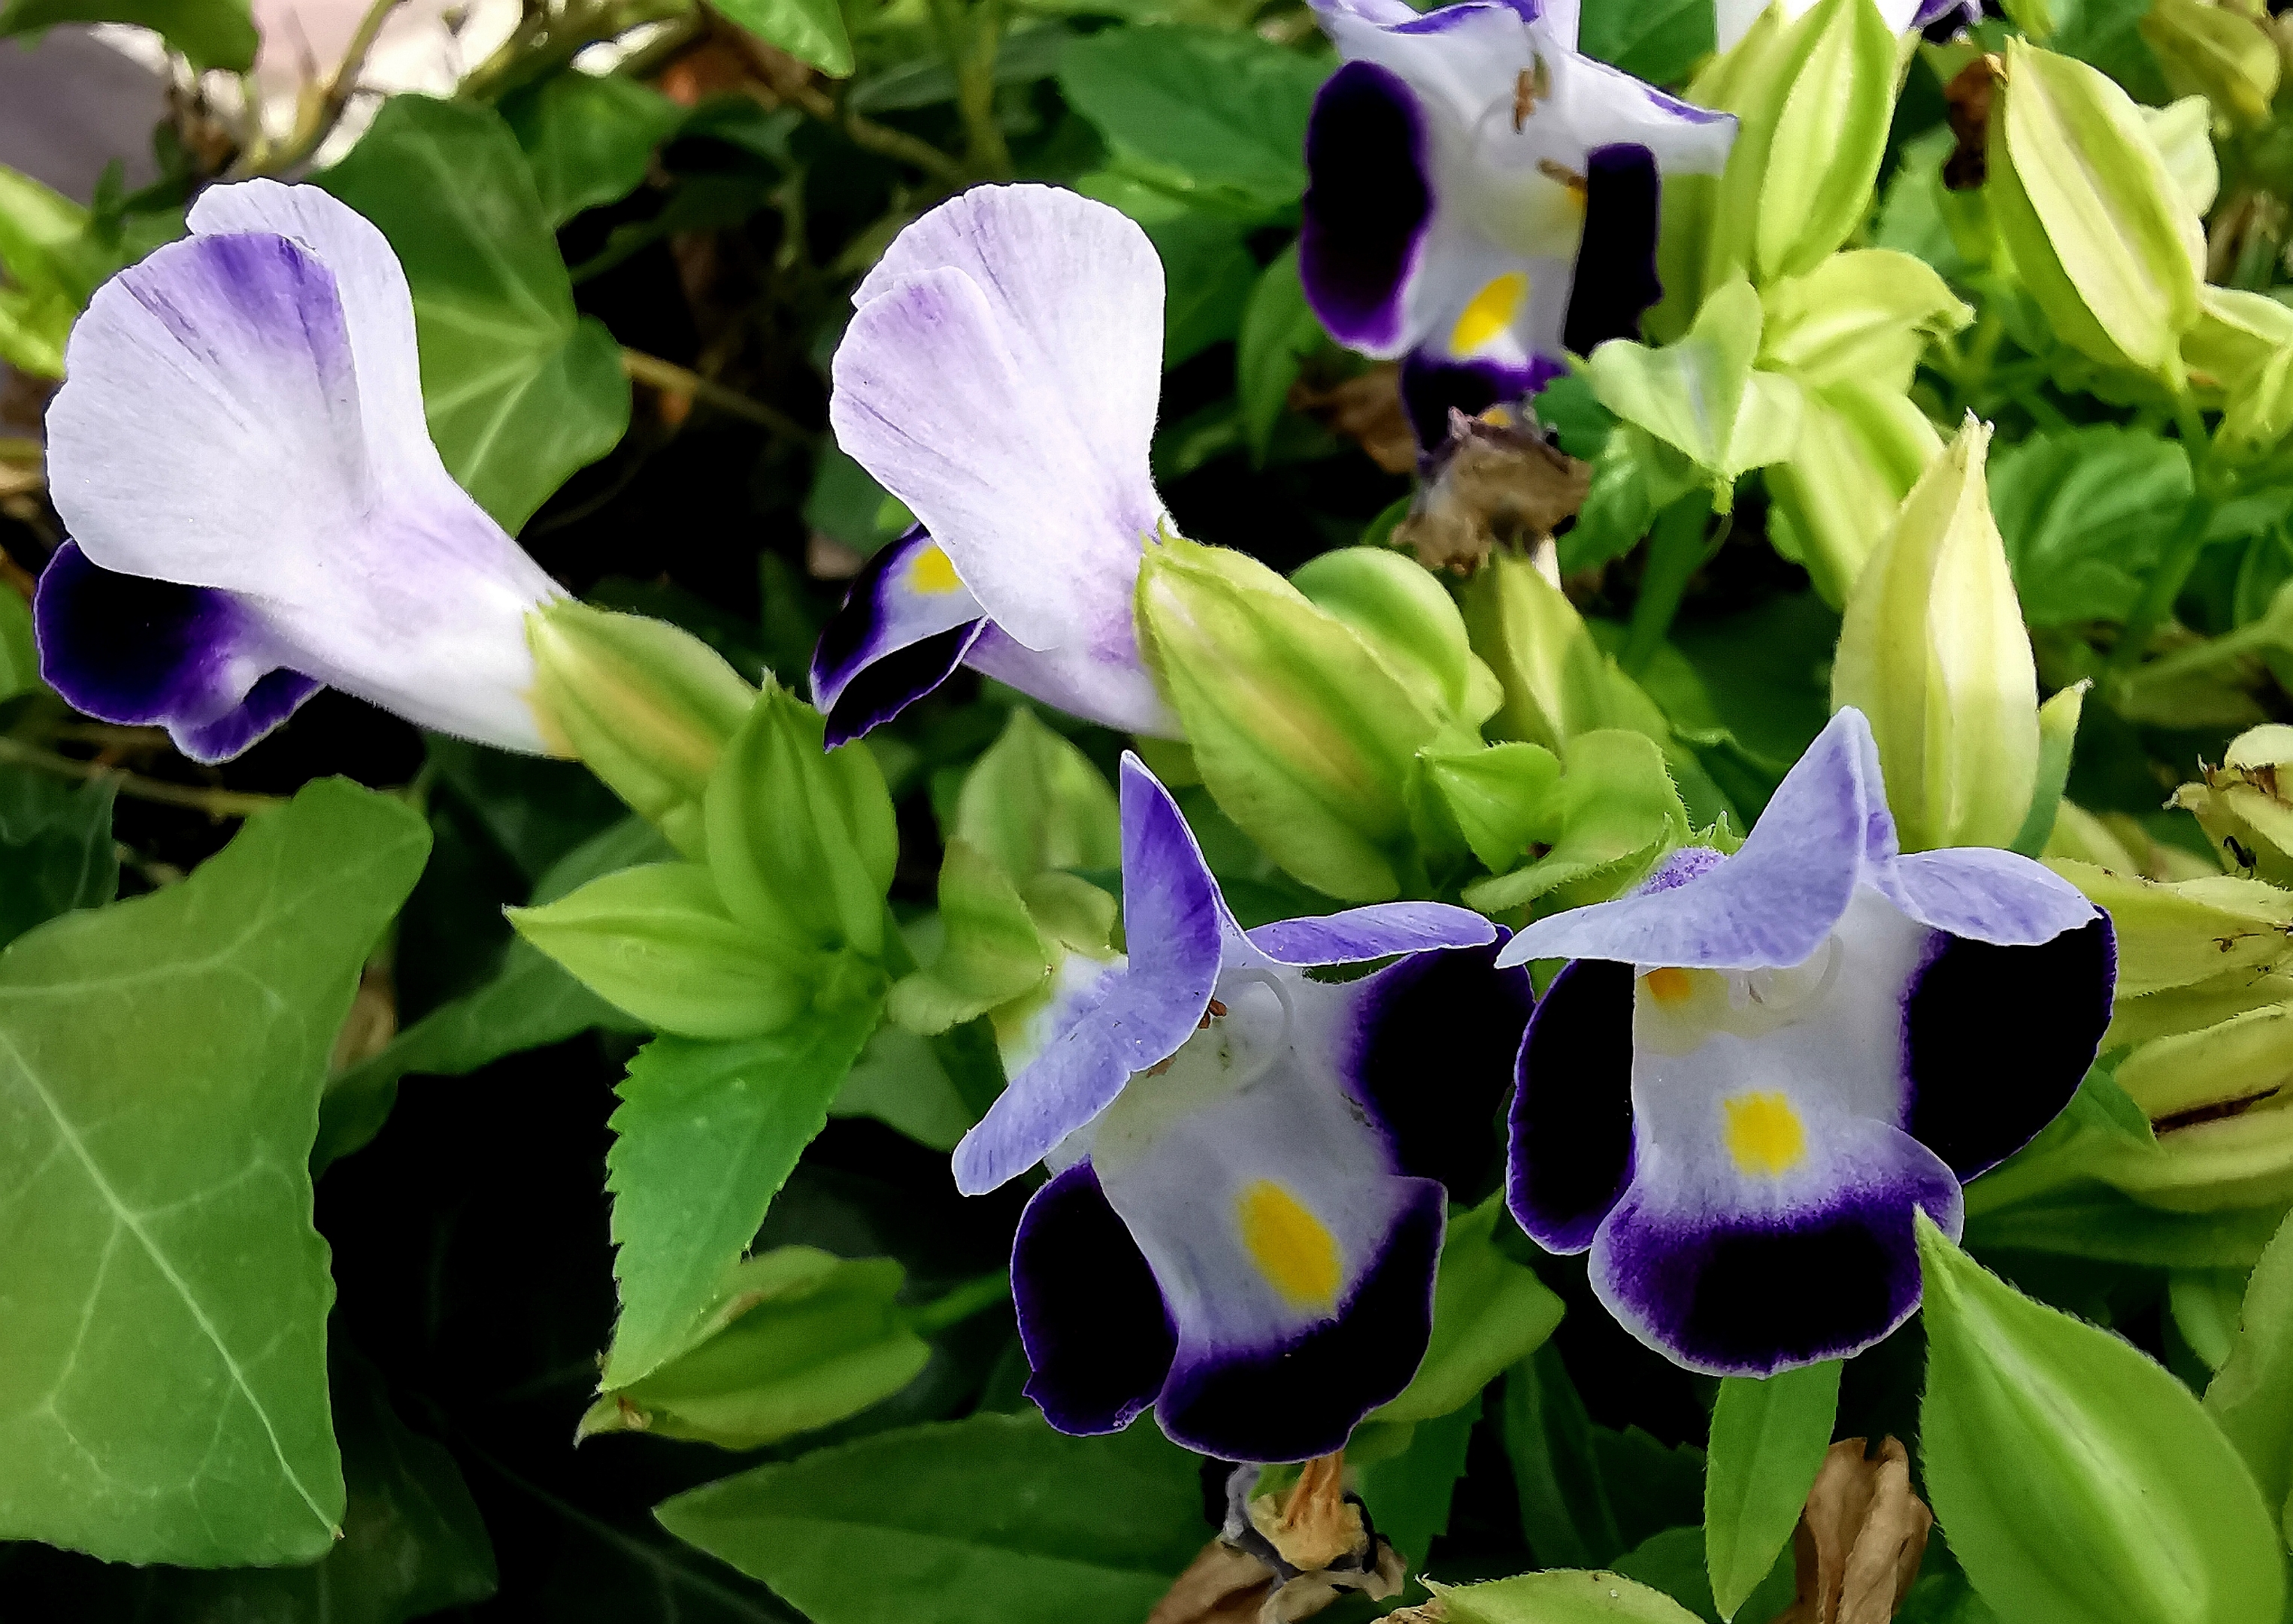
[[2253, 637], [214, 803], [667, 376], [951, 1308], [971, 37], [1676, 552]]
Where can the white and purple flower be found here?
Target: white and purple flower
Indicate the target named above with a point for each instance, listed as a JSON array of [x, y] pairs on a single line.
[[1001, 377], [1250, 1196], [1482, 198], [1757, 1067], [256, 508]]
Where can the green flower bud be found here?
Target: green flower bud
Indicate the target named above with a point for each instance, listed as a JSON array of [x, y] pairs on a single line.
[[2240, 1159], [2216, 52], [1934, 652], [992, 955], [2242, 804], [1408, 616], [801, 839], [2182, 132], [1860, 449], [1863, 317], [656, 941], [2242, 346], [2077, 1478], [1601, 828], [1495, 797], [2187, 932], [1553, 677], [2100, 235], [643, 705], [1306, 736], [1703, 395]]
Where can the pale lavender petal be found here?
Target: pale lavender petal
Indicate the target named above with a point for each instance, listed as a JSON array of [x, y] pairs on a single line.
[[1099, 677], [1983, 894], [1001, 377], [1373, 932]]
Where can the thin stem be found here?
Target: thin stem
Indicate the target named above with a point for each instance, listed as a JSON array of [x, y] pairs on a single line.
[[953, 1307], [774, 87], [667, 375], [214, 803], [2252, 638], [1676, 552], [327, 112], [970, 36]]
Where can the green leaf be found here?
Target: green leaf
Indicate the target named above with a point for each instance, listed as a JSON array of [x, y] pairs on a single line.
[[165, 1395], [704, 1137], [2251, 1401], [211, 33], [900, 1080], [2077, 1478], [519, 389], [992, 955], [1614, 812], [1673, 1561], [1278, 328], [800, 1339], [1489, 1312], [1703, 395], [1409, 1494], [20, 649], [1565, 1512], [812, 32], [1033, 801], [1204, 110], [996, 1520], [1561, 1597], [588, 137], [2083, 512], [1660, 41], [1496, 796], [55, 848], [532, 1001], [1768, 1442]]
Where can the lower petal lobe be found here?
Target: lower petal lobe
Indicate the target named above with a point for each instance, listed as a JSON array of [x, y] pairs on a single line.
[[1366, 204], [903, 630], [137, 652], [1436, 1044], [1098, 1338], [1996, 1040], [1616, 264], [1572, 1116]]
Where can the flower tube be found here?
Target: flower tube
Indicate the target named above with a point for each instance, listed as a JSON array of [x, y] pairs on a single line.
[[255, 507], [1249, 1195], [1001, 377], [1757, 1068], [1483, 198]]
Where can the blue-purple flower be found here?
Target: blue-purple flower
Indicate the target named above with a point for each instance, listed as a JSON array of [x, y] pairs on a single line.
[[1001, 377], [1757, 1067], [1482, 197], [1249, 1195], [255, 507]]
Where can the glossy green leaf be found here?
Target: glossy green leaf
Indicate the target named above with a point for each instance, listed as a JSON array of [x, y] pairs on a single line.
[[588, 137], [2077, 1479], [1205, 111], [1561, 1597], [1673, 1561], [1768, 1442], [1703, 395], [164, 1344], [1278, 328], [800, 1339], [2083, 512], [1657, 42], [1489, 1313], [520, 390], [1409, 1494], [55, 848], [210, 33], [996, 1520], [1565, 1512], [812, 32], [704, 1137], [2251, 1400]]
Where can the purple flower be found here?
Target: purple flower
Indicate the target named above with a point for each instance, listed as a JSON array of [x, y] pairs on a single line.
[[1001, 377], [1482, 197], [1249, 1197], [256, 510], [1758, 1067]]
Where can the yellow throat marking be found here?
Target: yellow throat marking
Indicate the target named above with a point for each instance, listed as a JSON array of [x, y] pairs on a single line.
[[931, 573], [1489, 312], [1292, 1248], [1668, 986], [1765, 1134]]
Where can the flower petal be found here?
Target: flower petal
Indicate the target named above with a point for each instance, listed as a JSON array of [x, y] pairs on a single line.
[[1998, 1039], [1745, 1275], [875, 694], [1984, 894], [1099, 676], [1615, 278], [1429, 1045], [1365, 208], [138, 651], [1001, 377], [1098, 1340], [1111, 1023], [1377, 931], [907, 600], [1571, 1124], [1771, 903]]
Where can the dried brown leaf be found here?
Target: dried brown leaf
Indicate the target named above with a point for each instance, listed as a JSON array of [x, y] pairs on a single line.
[[1861, 1537]]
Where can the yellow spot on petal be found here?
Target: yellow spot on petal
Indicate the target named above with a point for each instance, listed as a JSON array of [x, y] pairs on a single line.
[[1670, 986], [930, 573], [1291, 1246], [1489, 313], [1765, 1134]]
